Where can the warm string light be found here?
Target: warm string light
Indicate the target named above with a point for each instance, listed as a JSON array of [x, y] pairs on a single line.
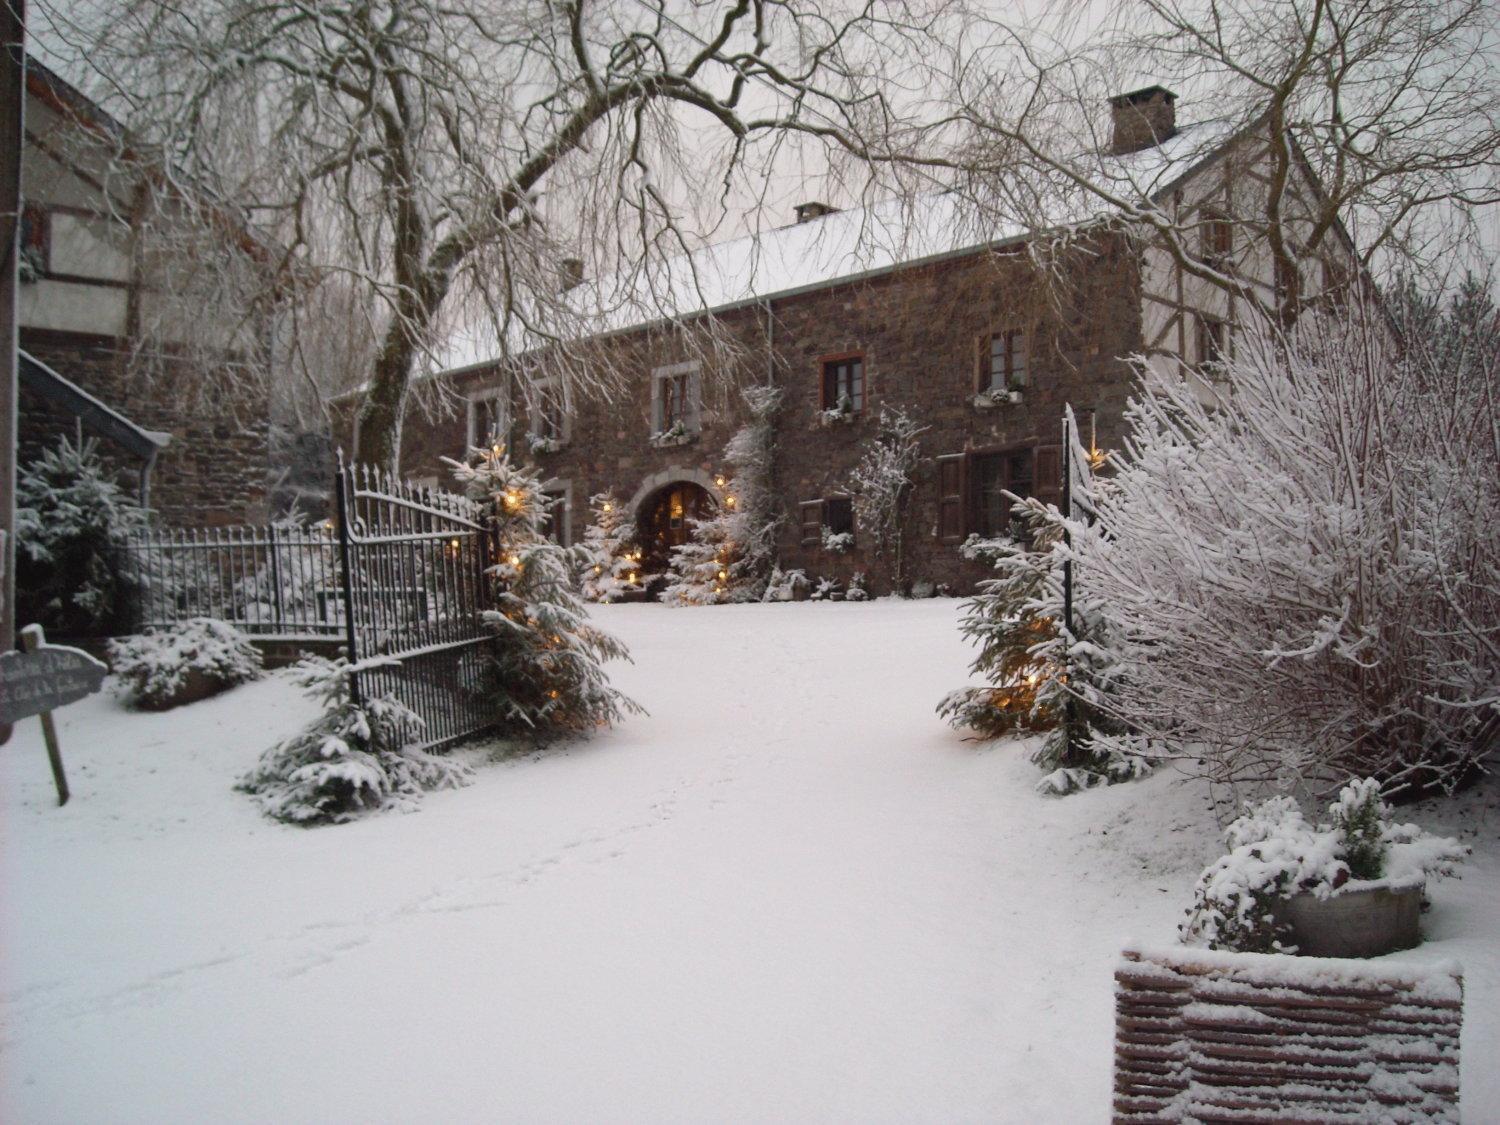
[[607, 507], [512, 498]]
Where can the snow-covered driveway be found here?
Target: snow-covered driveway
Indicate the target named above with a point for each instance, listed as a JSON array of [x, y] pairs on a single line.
[[789, 894]]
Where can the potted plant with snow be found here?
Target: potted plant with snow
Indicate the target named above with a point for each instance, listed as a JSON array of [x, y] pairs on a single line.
[[540, 444], [840, 413], [998, 396], [1352, 887]]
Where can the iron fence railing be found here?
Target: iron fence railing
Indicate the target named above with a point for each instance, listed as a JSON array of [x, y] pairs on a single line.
[[272, 582]]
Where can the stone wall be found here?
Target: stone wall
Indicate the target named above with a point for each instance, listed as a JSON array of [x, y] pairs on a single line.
[[214, 472], [923, 334]]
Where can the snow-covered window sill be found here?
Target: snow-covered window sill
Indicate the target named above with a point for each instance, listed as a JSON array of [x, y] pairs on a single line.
[[825, 418], [994, 400], [540, 446], [669, 440]]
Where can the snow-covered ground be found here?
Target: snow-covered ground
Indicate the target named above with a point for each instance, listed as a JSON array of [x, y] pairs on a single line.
[[790, 894]]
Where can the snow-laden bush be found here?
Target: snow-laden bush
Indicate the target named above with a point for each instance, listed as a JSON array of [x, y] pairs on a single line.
[[881, 486], [786, 585], [72, 521], [612, 569], [356, 757], [1305, 562], [1274, 853], [192, 660], [548, 676], [729, 557]]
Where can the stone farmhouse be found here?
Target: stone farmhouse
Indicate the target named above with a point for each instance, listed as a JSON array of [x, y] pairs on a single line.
[[111, 325], [975, 334]]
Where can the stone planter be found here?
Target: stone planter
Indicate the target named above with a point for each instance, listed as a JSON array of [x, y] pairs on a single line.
[[1358, 920]]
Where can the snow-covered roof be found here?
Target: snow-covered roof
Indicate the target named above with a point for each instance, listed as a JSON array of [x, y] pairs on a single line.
[[845, 246]]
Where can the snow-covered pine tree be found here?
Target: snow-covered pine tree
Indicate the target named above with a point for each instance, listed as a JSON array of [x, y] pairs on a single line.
[[881, 485], [613, 567], [731, 555], [549, 678], [72, 520], [1042, 675], [357, 756]]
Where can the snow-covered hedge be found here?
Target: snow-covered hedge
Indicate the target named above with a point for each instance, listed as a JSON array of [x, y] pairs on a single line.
[[1274, 853], [355, 758], [188, 662]]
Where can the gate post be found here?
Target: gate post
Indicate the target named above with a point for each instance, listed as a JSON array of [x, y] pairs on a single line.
[[341, 490]]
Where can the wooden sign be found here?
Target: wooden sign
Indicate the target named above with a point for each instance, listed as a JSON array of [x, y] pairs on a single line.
[[45, 679], [41, 677]]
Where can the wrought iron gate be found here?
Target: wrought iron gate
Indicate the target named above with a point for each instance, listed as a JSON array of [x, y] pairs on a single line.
[[414, 590]]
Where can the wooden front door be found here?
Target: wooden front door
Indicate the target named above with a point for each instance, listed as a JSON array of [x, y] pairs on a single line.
[[665, 522]]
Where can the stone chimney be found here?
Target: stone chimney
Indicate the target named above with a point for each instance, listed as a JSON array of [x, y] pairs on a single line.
[[1142, 118], [570, 271], [807, 212]]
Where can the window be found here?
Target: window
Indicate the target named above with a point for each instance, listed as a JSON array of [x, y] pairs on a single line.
[[676, 394], [991, 476], [1213, 339], [489, 421], [549, 413], [1337, 281], [34, 238], [972, 487], [1005, 363], [844, 384], [838, 515], [1218, 239]]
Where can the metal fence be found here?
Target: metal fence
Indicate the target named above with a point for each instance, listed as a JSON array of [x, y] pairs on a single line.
[[276, 582], [399, 573]]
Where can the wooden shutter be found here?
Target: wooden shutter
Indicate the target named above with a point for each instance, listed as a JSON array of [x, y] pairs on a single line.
[[951, 523], [1047, 474], [811, 516]]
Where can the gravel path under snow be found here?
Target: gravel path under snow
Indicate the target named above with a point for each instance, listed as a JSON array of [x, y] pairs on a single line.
[[789, 894]]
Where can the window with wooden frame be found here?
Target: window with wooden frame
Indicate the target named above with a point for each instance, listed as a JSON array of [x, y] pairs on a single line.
[[1337, 281], [1212, 339], [1003, 365], [557, 511], [833, 514], [488, 418], [1217, 234], [35, 239], [844, 383], [972, 488], [549, 413], [676, 395]]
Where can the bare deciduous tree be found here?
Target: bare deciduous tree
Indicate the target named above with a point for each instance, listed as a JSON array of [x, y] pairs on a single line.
[[448, 158]]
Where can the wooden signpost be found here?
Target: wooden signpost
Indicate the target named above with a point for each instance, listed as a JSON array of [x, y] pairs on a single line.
[[39, 679]]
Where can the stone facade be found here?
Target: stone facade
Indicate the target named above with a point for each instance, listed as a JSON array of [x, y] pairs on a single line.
[[214, 471], [923, 336]]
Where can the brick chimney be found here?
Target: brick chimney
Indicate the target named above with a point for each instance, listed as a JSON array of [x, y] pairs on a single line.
[[806, 212], [1142, 118]]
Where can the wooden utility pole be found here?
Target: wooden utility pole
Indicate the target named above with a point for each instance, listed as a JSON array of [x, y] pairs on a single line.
[[12, 135]]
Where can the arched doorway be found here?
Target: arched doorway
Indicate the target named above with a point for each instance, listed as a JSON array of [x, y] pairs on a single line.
[[663, 522]]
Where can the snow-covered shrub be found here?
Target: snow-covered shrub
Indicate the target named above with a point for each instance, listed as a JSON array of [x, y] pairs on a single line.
[[1042, 677], [786, 586], [730, 556], [612, 569], [826, 590], [190, 661], [1306, 571], [1274, 853], [858, 591], [548, 673], [354, 758], [72, 521], [880, 486]]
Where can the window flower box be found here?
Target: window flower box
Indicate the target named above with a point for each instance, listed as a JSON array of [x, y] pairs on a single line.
[[539, 445], [674, 435], [992, 399], [841, 413]]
